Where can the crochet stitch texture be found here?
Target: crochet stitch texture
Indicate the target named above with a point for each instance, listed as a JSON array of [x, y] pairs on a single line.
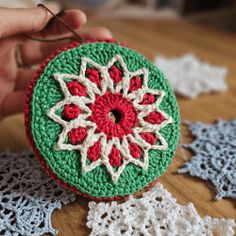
[[156, 213], [27, 196], [214, 157], [104, 119]]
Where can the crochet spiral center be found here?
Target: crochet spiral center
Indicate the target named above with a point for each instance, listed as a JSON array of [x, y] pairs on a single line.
[[114, 115]]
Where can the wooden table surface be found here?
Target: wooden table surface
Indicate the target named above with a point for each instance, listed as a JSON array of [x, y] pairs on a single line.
[[170, 38]]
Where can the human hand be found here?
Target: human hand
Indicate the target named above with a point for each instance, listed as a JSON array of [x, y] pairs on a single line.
[[35, 23]]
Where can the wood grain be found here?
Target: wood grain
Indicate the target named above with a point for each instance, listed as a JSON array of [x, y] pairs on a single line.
[[171, 38]]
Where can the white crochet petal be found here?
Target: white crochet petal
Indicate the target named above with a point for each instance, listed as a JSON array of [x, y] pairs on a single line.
[[139, 92], [156, 213], [84, 64], [108, 82]]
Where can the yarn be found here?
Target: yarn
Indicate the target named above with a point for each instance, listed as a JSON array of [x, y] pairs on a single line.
[[214, 157], [112, 117], [155, 213]]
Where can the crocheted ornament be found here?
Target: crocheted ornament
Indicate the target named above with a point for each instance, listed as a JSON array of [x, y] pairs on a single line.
[[214, 157], [156, 213], [102, 119], [191, 77], [27, 196]]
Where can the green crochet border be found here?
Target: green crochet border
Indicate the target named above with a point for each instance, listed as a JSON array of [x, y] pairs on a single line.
[[66, 164]]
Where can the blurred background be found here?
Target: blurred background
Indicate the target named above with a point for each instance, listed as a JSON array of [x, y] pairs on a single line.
[[220, 14]]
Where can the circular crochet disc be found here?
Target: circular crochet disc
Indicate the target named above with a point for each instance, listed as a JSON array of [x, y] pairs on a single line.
[[102, 119]]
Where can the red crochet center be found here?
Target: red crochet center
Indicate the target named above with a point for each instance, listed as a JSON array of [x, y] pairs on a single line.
[[71, 111], [123, 111]]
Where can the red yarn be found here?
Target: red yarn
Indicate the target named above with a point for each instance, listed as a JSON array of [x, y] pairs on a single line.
[[148, 99], [76, 88], [94, 152], [115, 157], [135, 150], [154, 118], [70, 112], [77, 135], [135, 83], [107, 103], [116, 74], [103, 41], [94, 76], [148, 137]]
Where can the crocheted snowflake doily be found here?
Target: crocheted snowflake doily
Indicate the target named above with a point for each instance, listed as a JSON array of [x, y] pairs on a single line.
[[27, 196], [215, 156], [104, 119], [190, 77], [156, 213]]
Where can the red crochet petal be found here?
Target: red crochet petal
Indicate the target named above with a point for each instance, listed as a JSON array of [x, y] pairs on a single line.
[[135, 84], [76, 88], [94, 152], [116, 74], [154, 118], [94, 76], [39, 156], [115, 157], [148, 99], [135, 151], [77, 135], [149, 137], [70, 112]]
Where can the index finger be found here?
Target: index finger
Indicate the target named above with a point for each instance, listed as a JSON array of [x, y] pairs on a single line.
[[17, 21]]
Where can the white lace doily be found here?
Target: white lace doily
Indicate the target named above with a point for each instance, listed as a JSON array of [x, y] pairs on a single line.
[[156, 213], [190, 77]]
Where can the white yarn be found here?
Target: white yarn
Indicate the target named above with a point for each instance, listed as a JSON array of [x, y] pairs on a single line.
[[83, 102], [156, 213], [190, 77]]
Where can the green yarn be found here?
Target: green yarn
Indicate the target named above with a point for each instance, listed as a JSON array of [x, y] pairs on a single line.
[[66, 164]]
